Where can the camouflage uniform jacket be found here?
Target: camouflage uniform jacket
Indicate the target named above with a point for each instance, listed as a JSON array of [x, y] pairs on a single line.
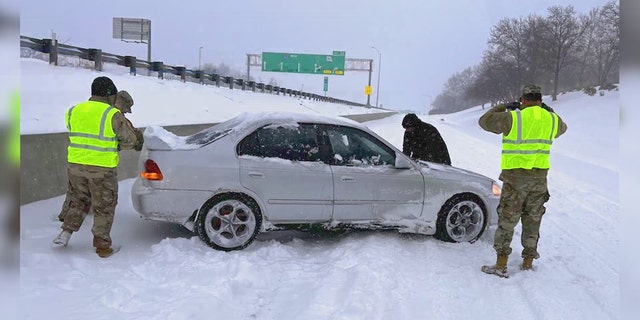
[[124, 132], [497, 120]]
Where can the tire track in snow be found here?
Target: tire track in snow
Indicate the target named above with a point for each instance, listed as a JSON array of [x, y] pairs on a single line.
[[581, 226]]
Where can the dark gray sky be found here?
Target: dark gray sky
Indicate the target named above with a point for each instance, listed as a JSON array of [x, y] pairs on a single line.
[[422, 42]]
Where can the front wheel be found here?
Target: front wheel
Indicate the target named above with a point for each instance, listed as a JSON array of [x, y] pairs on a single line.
[[461, 219], [228, 222]]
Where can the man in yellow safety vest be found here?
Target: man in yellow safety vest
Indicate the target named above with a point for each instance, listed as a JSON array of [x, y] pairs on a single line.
[[528, 129], [124, 102], [97, 130]]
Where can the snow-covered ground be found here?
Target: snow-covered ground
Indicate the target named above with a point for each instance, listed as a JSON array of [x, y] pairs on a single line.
[[165, 272]]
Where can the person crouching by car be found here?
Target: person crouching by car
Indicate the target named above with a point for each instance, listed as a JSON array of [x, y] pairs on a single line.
[[422, 141]]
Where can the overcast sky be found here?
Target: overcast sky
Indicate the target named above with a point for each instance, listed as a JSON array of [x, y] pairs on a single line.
[[422, 42]]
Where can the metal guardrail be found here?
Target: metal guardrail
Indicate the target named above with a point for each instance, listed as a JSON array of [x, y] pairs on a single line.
[[99, 57]]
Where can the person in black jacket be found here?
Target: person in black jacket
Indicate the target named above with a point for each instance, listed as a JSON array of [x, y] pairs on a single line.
[[422, 141]]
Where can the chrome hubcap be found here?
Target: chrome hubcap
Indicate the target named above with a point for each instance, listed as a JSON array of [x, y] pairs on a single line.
[[465, 221], [230, 223]]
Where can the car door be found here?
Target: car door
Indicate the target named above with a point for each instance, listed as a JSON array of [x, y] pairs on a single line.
[[367, 186], [281, 165]]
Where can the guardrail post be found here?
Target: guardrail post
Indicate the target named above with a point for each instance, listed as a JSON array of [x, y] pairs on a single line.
[[95, 55], [158, 66], [229, 80], [131, 62], [242, 84], [51, 47], [199, 76], [216, 78], [181, 72]]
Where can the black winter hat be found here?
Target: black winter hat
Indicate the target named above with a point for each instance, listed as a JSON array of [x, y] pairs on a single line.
[[103, 87], [410, 120]]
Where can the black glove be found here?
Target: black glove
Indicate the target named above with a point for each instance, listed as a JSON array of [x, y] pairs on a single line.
[[512, 105], [546, 107], [139, 140]]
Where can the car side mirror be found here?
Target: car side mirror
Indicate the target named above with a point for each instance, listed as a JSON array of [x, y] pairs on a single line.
[[402, 162]]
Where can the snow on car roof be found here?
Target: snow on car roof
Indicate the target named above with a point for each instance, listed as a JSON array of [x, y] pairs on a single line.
[[157, 137], [252, 119]]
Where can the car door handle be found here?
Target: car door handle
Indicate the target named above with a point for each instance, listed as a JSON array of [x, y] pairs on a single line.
[[348, 179], [254, 174]]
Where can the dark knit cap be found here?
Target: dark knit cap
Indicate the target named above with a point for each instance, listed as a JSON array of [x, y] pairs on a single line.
[[410, 120], [103, 87]]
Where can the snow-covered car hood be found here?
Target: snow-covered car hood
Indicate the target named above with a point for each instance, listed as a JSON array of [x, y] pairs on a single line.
[[449, 171]]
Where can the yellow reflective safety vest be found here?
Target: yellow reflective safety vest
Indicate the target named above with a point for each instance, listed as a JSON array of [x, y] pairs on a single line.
[[14, 143], [528, 144], [91, 137]]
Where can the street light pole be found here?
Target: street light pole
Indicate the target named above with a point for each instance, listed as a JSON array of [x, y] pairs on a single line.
[[200, 59], [379, 64]]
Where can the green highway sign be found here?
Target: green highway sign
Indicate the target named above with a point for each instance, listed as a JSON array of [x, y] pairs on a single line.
[[304, 63], [326, 84]]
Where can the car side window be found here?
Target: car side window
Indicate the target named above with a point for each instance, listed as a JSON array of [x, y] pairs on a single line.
[[286, 141], [354, 147]]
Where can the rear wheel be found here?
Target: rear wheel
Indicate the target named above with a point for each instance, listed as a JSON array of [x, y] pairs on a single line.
[[462, 219], [228, 222]]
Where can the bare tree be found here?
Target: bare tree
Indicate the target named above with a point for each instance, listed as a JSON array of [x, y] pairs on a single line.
[[562, 32], [493, 81], [455, 96], [442, 103], [514, 58], [607, 50], [508, 48], [563, 51], [534, 71]]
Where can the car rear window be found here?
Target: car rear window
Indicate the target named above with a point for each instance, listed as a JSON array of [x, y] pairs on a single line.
[[207, 136]]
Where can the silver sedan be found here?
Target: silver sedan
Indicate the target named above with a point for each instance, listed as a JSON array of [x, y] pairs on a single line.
[[267, 171]]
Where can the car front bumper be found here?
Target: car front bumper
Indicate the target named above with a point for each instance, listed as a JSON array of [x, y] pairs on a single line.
[[492, 209]]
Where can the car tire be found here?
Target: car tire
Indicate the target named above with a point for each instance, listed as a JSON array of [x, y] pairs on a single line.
[[463, 218], [228, 222]]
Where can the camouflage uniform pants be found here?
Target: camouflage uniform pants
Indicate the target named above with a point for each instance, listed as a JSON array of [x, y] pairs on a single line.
[[522, 199], [96, 188], [65, 205]]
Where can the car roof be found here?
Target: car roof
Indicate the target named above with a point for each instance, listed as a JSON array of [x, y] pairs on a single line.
[[247, 122], [254, 120]]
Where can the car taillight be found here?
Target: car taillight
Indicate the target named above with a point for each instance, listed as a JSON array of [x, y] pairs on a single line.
[[151, 171]]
